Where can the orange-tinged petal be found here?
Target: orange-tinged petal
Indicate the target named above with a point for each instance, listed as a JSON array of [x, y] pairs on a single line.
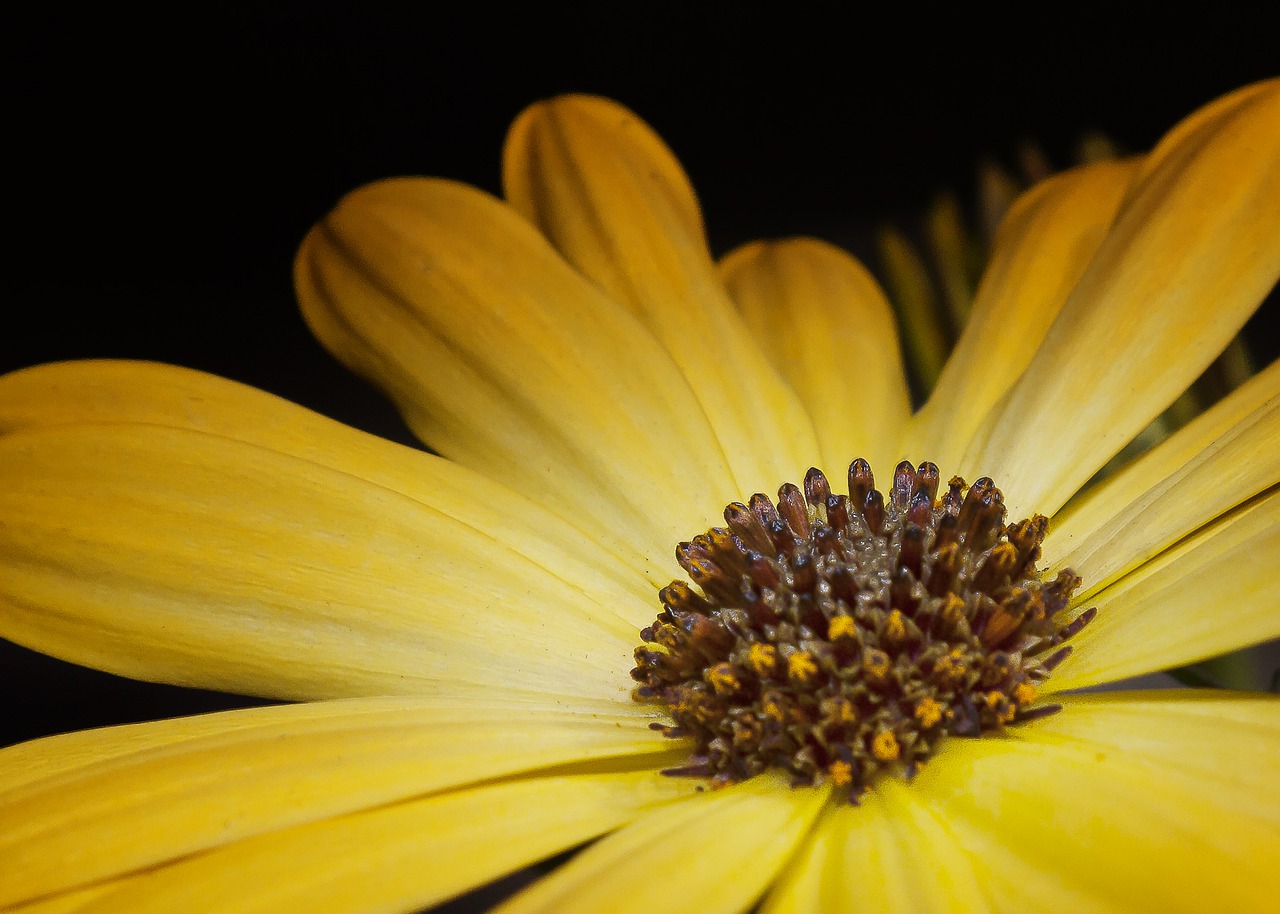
[[820, 317], [155, 793], [1224, 457], [503, 358], [1212, 593], [1044, 244], [710, 853], [1191, 253], [613, 199], [180, 556]]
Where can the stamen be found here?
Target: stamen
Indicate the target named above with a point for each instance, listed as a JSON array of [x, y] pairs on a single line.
[[839, 637]]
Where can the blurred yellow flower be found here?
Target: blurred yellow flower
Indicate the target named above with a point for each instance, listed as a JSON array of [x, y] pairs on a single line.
[[458, 629]]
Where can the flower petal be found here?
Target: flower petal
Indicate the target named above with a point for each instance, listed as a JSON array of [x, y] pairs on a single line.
[[1225, 456], [184, 557], [503, 358], [711, 853], [70, 393], [1149, 801], [820, 317], [614, 200], [1043, 245], [889, 853], [1191, 253], [149, 794], [1212, 593]]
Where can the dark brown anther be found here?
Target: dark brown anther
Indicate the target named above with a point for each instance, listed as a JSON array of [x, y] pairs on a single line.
[[911, 552], [838, 511], [816, 491], [920, 511], [861, 481], [747, 527], [838, 638], [792, 508], [873, 511], [926, 481], [904, 480]]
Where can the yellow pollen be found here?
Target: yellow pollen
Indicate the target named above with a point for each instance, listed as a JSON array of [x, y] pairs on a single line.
[[840, 773], [1024, 693], [723, 679], [801, 666], [842, 627], [763, 659], [928, 712], [884, 746], [895, 627], [771, 706]]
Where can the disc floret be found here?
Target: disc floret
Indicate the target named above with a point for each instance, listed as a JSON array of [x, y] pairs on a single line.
[[841, 636]]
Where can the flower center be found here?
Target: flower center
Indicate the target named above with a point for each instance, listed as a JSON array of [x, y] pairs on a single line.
[[838, 637]]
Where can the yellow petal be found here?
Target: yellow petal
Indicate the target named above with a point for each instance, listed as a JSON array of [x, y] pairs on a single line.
[[1043, 246], [887, 854], [1223, 458], [179, 556], [821, 318], [1149, 802], [402, 857], [153, 793], [613, 199], [1212, 593], [1191, 253], [504, 359], [708, 854], [70, 393]]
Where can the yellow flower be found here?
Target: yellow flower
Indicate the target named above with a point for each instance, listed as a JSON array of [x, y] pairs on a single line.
[[459, 628]]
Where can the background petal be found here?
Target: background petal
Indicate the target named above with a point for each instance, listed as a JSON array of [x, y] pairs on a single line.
[[1192, 252], [613, 199], [1044, 244], [828, 329]]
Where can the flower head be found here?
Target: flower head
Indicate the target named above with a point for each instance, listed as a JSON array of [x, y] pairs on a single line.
[[459, 629]]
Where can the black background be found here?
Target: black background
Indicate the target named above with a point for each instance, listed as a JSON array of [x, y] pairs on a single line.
[[163, 167]]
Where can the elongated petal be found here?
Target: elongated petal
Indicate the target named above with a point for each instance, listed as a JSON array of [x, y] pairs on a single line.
[[1146, 801], [1192, 252], [71, 393], [708, 854], [1044, 244], [153, 793], [1212, 593], [503, 358], [184, 557], [887, 854], [1225, 457], [820, 317], [614, 200]]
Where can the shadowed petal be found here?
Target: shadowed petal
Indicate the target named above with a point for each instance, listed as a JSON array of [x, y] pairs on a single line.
[[613, 199], [820, 317]]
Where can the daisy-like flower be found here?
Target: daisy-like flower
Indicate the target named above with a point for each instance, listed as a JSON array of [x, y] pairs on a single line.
[[867, 677]]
